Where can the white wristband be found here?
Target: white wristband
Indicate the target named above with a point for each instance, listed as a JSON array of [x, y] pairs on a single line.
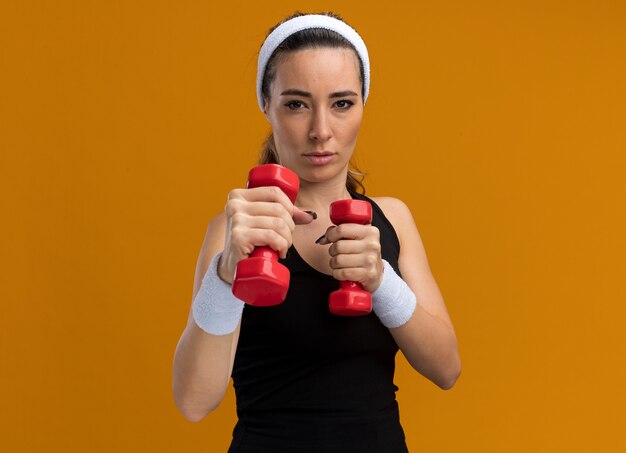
[[215, 309], [393, 301]]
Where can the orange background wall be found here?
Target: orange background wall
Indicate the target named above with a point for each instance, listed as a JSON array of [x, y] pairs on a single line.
[[123, 124]]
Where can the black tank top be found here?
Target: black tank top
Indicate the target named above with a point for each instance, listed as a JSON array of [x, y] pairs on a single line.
[[309, 381]]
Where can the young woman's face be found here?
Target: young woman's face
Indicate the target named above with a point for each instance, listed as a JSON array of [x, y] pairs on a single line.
[[315, 110]]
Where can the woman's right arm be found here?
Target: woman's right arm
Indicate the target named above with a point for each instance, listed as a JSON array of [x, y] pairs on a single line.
[[203, 362]]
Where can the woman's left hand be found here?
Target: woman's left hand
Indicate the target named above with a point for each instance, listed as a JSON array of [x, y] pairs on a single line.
[[355, 254]]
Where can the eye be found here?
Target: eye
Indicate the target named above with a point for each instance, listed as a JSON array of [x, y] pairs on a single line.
[[294, 105], [344, 104]]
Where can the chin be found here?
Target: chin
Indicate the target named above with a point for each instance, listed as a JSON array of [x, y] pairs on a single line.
[[322, 174]]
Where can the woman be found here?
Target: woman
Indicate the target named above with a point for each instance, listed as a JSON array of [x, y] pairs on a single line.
[[305, 379]]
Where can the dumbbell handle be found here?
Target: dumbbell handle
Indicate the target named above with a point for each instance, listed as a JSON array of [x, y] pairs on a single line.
[[265, 252], [346, 284]]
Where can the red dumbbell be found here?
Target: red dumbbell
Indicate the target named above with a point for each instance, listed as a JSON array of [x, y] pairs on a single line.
[[261, 280], [350, 299]]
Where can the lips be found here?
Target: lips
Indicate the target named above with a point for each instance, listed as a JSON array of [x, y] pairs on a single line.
[[320, 157]]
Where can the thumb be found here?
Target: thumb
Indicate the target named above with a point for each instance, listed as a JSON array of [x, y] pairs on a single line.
[[301, 217]]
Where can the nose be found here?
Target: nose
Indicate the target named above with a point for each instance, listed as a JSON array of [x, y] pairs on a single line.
[[321, 130]]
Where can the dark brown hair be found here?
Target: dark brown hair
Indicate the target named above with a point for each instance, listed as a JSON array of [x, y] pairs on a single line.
[[307, 39]]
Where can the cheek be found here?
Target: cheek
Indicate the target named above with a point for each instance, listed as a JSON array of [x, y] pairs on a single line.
[[287, 131], [281, 136], [352, 129]]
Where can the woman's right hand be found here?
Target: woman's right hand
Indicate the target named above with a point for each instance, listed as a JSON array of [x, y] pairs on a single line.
[[262, 216]]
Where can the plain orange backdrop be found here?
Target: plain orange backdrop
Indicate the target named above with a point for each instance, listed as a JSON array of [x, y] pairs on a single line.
[[123, 124]]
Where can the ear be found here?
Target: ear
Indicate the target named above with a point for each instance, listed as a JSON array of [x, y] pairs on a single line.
[[266, 103]]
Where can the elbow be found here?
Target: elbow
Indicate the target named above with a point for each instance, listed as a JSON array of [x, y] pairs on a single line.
[[447, 380], [193, 415], [193, 412], [193, 403], [195, 406]]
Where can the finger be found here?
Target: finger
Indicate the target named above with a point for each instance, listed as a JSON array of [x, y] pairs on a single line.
[[352, 274], [241, 209], [267, 194], [301, 217], [350, 261], [270, 238], [347, 231], [323, 240], [347, 247], [242, 222]]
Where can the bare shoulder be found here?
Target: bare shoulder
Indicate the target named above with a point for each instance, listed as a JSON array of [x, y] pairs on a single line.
[[398, 214], [412, 251], [412, 261], [392, 206]]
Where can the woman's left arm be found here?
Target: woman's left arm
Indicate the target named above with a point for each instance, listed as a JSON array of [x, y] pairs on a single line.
[[425, 335], [427, 339]]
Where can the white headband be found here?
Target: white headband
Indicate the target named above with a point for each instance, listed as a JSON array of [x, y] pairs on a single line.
[[288, 28]]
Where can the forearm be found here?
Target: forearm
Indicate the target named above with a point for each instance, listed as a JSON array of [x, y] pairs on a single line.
[[430, 346], [201, 371]]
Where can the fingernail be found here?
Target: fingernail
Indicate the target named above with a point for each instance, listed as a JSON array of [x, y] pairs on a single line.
[[312, 214], [320, 239]]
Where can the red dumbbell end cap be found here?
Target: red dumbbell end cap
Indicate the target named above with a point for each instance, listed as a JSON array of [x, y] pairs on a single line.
[[275, 175], [261, 282], [350, 303], [351, 211]]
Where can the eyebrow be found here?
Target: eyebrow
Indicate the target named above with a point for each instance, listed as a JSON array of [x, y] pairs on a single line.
[[306, 94]]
